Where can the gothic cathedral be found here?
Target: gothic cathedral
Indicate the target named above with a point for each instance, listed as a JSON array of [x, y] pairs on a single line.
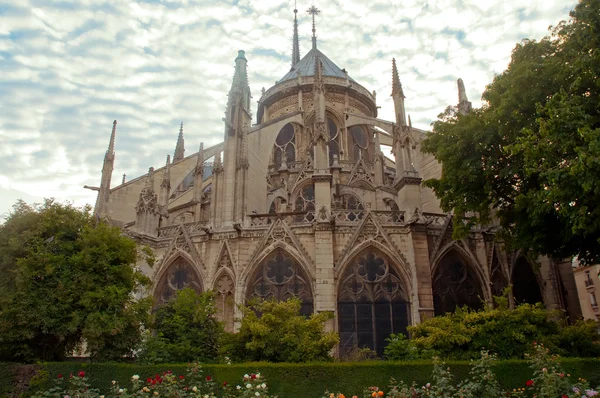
[[303, 203]]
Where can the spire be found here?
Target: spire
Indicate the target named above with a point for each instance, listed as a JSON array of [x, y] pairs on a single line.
[[200, 162], [180, 147], [319, 91], [240, 77], [111, 143], [149, 186], [295, 41], [464, 106], [396, 85], [314, 11]]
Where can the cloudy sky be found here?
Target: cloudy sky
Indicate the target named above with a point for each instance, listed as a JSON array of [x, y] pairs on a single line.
[[68, 68]]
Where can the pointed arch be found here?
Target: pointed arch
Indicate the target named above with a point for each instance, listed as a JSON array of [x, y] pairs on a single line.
[[526, 282], [280, 274], [177, 273], [457, 280], [224, 288], [373, 300]]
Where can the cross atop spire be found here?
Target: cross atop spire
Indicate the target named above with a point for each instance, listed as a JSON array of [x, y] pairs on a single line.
[[314, 11], [295, 41]]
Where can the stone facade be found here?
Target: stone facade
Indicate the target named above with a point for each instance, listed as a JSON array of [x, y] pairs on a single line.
[[304, 203], [588, 287]]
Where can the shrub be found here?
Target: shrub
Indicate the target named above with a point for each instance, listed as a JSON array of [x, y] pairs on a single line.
[[281, 334], [186, 330]]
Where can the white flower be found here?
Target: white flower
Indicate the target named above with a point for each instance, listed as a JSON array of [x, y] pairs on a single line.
[[257, 394], [195, 389], [428, 385], [120, 391], [239, 387], [135, 377], [248, 385], [263, 385], [206, 396], [258, 375], [246, 377], [114, 382], [101, 396]]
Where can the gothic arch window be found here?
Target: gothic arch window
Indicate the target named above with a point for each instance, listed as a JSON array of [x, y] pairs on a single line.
[[334, 139], [280, 277], [372, 303], [497, 277], [179, 275], [305, 202], [359, 141], [285, 143], [352, 204], [525, 285], [224, 301], [454, 285]]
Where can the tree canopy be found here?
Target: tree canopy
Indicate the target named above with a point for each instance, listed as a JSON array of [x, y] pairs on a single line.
[[67, 278], [530, 156]]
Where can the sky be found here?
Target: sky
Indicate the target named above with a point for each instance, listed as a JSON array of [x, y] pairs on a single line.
[[68, 68]]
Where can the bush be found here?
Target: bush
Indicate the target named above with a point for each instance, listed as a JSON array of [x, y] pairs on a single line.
[[508, 333], [280, 334], [186, 330]]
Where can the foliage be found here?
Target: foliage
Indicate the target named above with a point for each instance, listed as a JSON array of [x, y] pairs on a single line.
[[71, 279], [508, 333], [532, 151], [168, 384], [310, 379], [186, 330], [281, 334]]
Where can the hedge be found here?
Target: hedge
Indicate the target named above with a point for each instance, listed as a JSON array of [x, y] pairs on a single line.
[[308, 380]]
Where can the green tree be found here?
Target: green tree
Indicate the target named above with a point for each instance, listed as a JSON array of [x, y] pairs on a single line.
[[68, 279], [275, 331], [186, 330], [532, 151]]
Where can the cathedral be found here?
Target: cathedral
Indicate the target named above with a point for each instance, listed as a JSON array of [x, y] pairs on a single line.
[[302, 202]]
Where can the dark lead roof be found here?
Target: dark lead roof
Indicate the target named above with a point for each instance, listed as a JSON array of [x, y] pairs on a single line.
[[306, 66]]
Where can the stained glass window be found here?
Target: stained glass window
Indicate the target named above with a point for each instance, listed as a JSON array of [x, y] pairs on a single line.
[[179, 275], [454, 285]]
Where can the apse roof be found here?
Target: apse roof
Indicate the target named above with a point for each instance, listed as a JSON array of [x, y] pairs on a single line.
[[306, 67]]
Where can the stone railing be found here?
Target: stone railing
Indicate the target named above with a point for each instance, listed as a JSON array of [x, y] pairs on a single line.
[[192, 228], [293, 217], [347, 216], [389, 216], [435, 219]]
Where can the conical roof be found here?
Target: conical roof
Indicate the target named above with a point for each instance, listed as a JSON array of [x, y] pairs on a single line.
[[306, 67]]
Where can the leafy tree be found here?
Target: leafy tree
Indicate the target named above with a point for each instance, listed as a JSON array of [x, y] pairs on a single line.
[[532, 151], [67, 279], [186, 330], [275, 331]]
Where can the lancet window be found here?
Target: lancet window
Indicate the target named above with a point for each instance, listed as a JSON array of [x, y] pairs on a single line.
[[454, 285], [285, 143], [334, 140], [359, 141], [497, 277], [179, 275], [372, 303], [280, 277], [525, 285]]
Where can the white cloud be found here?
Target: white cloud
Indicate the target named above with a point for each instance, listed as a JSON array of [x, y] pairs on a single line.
[[67, 71]]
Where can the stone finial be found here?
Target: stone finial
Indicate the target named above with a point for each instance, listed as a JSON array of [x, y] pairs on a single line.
[[464, 106], [180, 147], [200, 161], [111, 143], [166, 180], [396, 85]]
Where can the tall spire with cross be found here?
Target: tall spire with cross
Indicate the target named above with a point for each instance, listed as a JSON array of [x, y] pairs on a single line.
[[314, 11], [295, 41]]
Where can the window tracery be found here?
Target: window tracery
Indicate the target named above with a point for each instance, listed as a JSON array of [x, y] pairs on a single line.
[[305, 201], [454, 286], [179, 275], [334, 140], [372, 303], [359, 141], [280, 277], [351, 203], [285, 143]]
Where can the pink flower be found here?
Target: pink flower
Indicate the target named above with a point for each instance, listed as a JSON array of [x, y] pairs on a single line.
[[81, 374]]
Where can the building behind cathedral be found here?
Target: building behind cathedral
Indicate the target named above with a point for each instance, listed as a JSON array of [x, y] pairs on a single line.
[[301, 202]]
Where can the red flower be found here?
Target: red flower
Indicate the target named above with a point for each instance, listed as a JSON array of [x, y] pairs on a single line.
[[81, 374], [181, 377], [224, 383], [59, 376], [149, 380], [565, 396], [208, 378], [529, 383], [253, 376]]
